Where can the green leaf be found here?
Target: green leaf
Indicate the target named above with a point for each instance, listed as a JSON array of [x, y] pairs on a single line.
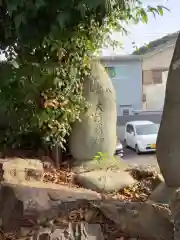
[[40, 3], [163, 7], [152, 10], [18, 20], [144, 16], [63, 18], [12, 5], [15, 64], [160, 10], [82, 8], [43, 28]]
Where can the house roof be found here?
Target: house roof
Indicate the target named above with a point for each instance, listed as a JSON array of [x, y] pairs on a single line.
[[157, 44], [118, 57]]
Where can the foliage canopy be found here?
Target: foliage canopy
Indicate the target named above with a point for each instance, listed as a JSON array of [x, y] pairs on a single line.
[[48, 45]]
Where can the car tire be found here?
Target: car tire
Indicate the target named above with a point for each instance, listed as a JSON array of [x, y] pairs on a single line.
[[125, 144], [137, 150]]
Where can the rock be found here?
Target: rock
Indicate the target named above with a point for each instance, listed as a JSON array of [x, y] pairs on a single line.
[[97, 130], [11, 210], [33, 198], [157, 179], [150, 221], [25, 231], [29, 204], [175, 209], [18, 170], [81, 231], [44, 236], [105, 181], [143, 220], [141, 173], [162, 194], [39, 196], [94, 231], [88, 166], [66, 194]]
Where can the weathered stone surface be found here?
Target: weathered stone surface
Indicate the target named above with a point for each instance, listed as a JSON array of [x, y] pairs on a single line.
[[81, 231], [168, 141], [175, 209], [19, 169], [23, 205], [97, 130], [105, 181], [39, 195], [94, 231], [72, 194], [44, 236], [33, 198], [144, 220], [88, 166], [162, 194], [11, 210]]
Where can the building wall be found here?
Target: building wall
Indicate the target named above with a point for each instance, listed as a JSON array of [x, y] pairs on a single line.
[[155, 93], [159, 59], [127, 81]]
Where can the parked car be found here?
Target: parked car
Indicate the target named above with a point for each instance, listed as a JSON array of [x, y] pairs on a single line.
[[141, 136], [119, 149]]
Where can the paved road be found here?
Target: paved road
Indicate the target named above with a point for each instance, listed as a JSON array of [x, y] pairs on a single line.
[[130, 157], [146, 159]]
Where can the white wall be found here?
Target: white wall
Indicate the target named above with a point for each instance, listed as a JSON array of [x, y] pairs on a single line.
[[155, 94], [158, 59]]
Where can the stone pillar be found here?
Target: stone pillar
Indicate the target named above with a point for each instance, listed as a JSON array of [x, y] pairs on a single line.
[[97, 130]]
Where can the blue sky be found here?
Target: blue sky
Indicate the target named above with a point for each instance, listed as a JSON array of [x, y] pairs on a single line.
[[156, 27]]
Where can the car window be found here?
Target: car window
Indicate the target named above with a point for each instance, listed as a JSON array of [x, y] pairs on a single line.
[[129, 128], [147, 129]]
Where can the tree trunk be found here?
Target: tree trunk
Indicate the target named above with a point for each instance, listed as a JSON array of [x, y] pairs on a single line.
[[168, 142]]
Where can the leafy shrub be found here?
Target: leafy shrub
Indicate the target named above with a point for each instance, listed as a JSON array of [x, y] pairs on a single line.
[[48, 45]]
